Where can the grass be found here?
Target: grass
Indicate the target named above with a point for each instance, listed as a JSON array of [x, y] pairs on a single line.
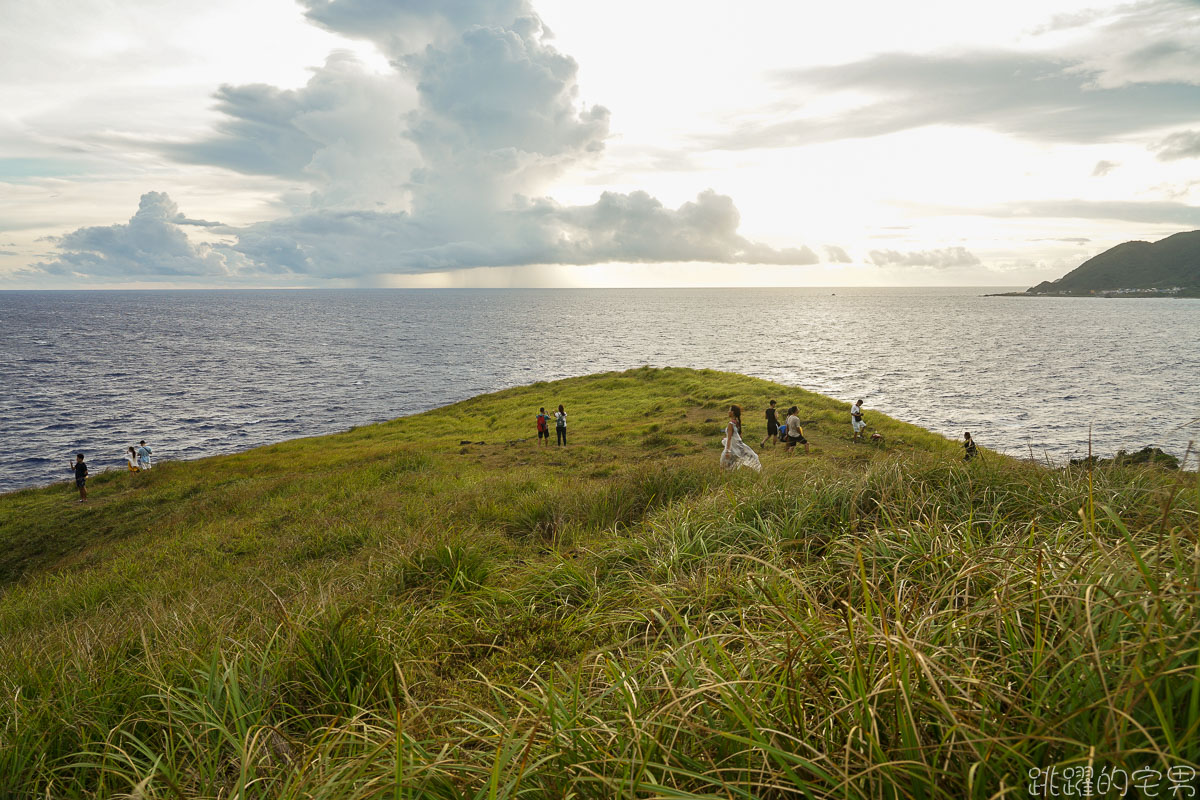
[[389, 613]]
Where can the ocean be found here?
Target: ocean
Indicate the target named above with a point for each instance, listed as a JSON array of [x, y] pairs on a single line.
[[197, 373]]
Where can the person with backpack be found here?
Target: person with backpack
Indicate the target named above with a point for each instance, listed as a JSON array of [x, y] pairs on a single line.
[[560, 425], [543, 427]]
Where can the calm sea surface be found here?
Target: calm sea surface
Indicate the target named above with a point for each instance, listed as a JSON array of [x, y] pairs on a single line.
[[197, 373]]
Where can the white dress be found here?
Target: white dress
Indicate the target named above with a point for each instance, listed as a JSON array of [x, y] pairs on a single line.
[[737, 453]]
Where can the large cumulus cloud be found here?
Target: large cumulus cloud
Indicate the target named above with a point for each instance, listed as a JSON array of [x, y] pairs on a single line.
[[618, 227], [152, 243], [342, 134], [438, 165]]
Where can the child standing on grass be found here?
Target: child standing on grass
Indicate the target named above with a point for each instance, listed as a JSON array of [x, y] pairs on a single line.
[[543, 427], [560, 425], [81, 474]]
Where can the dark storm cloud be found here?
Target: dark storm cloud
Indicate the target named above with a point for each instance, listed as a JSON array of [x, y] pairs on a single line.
[[1030, 96], [940, 259]]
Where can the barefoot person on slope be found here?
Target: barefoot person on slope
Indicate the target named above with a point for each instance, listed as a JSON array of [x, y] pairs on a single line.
[[737, 453]]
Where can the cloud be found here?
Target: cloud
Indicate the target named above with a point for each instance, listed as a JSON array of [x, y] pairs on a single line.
[[836, 255], [940, 259], [498, 116], [1037, 97], [631, 227], [1080, 240], [1158, 213], [152, 243], [343, 133], [1139, 43], [1102, 168], [1185, 144], [402, 28], [8, 253], [437, 165], [335, 243]]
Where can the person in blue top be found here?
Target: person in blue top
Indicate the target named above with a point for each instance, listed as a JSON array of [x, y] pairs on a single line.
[[143, 454]]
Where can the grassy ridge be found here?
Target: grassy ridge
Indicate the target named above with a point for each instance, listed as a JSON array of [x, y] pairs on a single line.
[[388, 613]]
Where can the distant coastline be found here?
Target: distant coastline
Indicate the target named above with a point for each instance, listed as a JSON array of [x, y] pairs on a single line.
[[1178, 292], [1169, 267]]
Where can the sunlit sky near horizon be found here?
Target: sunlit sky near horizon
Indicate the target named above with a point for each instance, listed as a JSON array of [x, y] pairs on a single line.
[[564, 143]]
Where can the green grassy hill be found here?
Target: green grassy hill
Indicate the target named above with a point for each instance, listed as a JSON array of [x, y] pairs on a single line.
[[388, 613], [1170, 262]]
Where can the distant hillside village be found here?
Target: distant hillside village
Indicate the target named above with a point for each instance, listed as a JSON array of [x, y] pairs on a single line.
[[1047, 289], [1166, 268]]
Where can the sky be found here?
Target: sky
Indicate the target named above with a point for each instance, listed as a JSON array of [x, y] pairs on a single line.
[[473, 143]]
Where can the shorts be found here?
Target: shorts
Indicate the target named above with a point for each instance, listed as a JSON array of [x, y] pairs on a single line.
[[544, 434], [795, 439], [79, 482], [772, 427], [858, 424]]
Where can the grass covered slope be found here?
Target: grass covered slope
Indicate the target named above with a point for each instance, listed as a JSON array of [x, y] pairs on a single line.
[[389, 613]]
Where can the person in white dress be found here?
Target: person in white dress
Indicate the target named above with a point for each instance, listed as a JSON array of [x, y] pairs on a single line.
[[737, 453]]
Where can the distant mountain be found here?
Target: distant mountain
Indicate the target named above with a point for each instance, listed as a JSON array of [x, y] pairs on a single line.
[[1163, 265]]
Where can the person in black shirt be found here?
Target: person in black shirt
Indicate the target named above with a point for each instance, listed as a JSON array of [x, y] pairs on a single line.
[[969, 446], [772, 427], [81, 474]]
